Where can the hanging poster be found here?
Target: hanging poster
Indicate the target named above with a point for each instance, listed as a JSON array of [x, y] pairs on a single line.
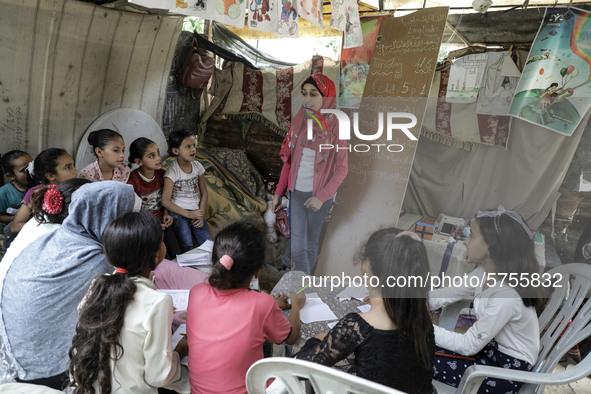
[[311, 10], [353, 32], [345, 17], [465, 77], [498, 85], [262, 15], [554, 89], [355, 64], [288, 24], [229, 12]]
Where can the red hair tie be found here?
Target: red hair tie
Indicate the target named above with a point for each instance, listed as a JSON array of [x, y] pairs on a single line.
[[121, 270], [53, 200]]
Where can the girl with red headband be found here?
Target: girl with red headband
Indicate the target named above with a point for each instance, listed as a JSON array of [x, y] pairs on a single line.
[[312, 175]]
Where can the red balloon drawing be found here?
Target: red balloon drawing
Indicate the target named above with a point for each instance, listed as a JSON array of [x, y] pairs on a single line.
[[541, 71], [570, 69]]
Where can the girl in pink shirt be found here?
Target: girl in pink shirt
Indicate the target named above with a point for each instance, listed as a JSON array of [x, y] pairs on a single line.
[[227, 322]]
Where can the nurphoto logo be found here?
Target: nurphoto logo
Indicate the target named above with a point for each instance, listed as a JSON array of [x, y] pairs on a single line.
[[402, 121]]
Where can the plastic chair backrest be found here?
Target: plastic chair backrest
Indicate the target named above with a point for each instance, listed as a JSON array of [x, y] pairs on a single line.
[[323, 379], [565, 320]]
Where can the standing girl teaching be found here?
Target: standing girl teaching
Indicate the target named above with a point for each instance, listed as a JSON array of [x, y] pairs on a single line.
[[227, 323], [109, 149], [185, 191], [123, 337], [311, 175], [506, 334]]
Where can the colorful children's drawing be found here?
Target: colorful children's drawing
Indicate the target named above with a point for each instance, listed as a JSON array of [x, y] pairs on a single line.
[[465, 78], [288, 24], [355, 64], [338, 17], [498, 85], [353, 32], [262, 15], [311, 10], [229, 12], [554, 89]]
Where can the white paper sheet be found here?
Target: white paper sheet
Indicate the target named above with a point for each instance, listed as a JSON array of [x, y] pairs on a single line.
[[198, 256], [364, 308], [176, 338], [359, 293], [180, 298], [315, 310]]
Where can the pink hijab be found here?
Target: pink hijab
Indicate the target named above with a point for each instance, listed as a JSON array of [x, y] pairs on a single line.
[[297, 130]]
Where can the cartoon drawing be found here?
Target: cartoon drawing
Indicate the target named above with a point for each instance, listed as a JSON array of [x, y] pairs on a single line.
[[545, 56], [288, 25], [260, 10]]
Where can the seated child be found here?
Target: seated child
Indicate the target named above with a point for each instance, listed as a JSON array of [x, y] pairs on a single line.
[[393, 343], [227, 323], [50, 208], [507, 333], [147, 181], [123, 336], [14, 166], [51, 167], [109, 149], [185, 191]]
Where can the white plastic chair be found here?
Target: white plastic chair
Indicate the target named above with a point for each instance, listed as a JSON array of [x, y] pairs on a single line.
[[323, 379], [568, 303], [26, 388]]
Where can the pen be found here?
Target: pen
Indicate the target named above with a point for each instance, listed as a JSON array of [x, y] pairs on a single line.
[[302, 289]]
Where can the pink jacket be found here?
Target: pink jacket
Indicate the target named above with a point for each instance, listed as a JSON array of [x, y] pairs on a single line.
[[330, 168]]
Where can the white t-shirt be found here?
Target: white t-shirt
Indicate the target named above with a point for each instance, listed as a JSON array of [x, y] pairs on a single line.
[[185, 190], [501, 316], [305, 177]]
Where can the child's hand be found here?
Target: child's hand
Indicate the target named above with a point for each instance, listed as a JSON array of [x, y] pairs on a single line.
[[182, 348], [198, 223], [194, 215], [297, 300], [200, 213], [281, 300], [166, 221], [313, 203], [276, 204]]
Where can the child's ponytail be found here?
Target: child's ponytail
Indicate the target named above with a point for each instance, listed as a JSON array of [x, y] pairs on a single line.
[[50, 203], [97, 332], [394, 255], [238, 252], [131, 244]]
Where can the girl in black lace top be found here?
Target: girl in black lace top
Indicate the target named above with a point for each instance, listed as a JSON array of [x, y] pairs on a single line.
[[393, 343]]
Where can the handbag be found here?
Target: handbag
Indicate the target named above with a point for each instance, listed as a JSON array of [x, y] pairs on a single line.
[[196, 69], [282, 222]]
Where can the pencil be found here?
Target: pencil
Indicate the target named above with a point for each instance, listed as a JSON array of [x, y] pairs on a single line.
[[302, 289], [455, 356]]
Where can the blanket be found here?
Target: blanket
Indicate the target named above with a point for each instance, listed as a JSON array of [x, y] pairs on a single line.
[[266, 96], [459, 125], [228, 200]]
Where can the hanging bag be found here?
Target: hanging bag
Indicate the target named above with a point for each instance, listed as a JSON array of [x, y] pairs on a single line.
[[196, 69]]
